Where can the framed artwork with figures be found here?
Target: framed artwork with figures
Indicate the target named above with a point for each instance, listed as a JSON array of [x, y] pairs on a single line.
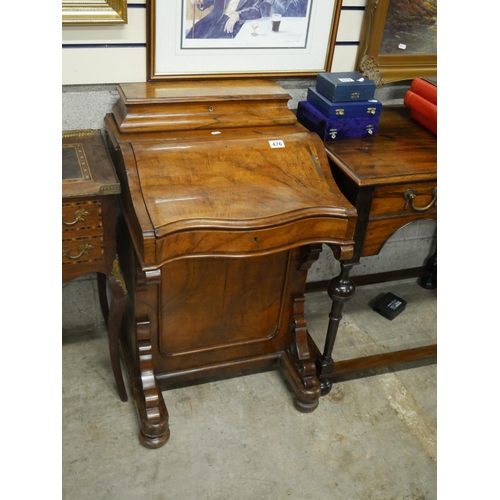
[[232, 38]]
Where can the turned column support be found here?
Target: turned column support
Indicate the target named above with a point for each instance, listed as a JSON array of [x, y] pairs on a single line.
[[340, 290]]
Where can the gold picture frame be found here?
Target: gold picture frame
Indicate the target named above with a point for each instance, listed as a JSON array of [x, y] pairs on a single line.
[[382, 67], [93, 12]]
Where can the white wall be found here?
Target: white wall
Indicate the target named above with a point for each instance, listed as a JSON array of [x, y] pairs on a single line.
[[117, 54]]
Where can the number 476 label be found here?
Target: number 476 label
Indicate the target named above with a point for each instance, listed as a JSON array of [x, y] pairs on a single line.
[[277, 144]]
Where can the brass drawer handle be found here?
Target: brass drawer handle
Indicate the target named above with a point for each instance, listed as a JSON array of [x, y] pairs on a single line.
[[410, 195], [80, 215], [83, 249]]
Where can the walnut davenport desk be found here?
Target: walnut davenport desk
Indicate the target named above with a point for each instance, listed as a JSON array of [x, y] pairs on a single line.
[[89, 197], [391, 179], [226, 202]]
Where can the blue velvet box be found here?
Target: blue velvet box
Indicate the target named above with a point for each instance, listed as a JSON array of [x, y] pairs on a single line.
[[334, 110], [341, 128], [345, 86]]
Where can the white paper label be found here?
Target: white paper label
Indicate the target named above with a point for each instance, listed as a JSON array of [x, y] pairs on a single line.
[[402, 46], [277, 144]]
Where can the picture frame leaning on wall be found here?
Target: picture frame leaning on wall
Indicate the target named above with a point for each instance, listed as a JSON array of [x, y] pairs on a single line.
[[398, 40]]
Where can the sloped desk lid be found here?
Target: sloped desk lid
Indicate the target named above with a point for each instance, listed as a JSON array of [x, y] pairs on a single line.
[[230, 190]]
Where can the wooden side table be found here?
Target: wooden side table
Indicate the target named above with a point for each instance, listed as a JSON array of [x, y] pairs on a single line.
[[391, 179], [89, 194]]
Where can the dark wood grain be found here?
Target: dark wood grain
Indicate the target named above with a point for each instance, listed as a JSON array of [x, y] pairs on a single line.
[[401, 151], [219, 231], [374, 173]]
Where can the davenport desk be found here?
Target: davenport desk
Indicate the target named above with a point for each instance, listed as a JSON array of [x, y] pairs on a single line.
[[226, 202], [391, 179], [89, 197]]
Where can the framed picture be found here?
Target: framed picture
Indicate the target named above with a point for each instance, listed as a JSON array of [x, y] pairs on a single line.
[[233, 38], [398, 40], [92, 12]]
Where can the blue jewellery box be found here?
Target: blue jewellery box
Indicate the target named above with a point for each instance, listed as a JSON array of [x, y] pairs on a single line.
[[340, 128], [333, 110], [345, 86]]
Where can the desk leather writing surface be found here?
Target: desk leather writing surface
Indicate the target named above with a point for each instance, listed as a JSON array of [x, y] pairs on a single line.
[[86, 167]]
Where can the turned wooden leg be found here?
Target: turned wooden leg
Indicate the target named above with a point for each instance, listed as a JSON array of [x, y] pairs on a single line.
[[340, 290], [430, 281], [113, 315]]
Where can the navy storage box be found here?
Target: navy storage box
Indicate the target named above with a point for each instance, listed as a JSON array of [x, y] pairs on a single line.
[[345, 86], [333, 110], [341, 128]]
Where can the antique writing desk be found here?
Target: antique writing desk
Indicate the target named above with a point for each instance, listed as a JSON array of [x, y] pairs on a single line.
[[226, 202], [391, 179], [89, 190]]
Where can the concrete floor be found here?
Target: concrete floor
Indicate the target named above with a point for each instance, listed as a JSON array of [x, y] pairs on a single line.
[[371, 438]]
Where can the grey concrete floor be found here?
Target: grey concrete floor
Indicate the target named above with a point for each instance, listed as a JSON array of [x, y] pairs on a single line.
[[371, 438]]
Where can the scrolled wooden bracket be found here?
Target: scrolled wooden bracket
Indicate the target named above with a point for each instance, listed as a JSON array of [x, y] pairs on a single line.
[[342, 251], [308, 255], [302, 359], [150, 404]]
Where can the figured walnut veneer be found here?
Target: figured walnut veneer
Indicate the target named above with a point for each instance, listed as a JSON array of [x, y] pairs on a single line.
[[219, 229]]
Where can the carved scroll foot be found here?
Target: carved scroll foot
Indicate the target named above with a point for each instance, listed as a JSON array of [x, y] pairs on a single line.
[[151, 407], [306, 397], [341, 289]]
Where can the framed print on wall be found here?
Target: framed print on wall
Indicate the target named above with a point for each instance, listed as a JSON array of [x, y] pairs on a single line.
[[233, 38], [398, 40]]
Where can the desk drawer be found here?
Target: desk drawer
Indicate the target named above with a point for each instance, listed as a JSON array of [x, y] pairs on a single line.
[[81, 216], [82, 249], [390, 200]]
